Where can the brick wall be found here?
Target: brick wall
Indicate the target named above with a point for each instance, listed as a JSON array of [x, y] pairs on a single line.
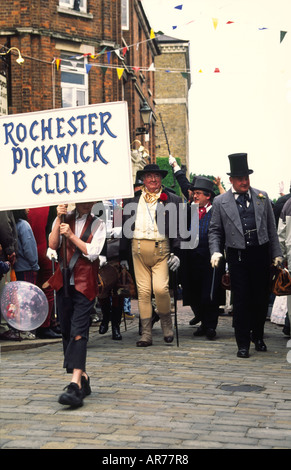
[[41, 30], [172, 99]]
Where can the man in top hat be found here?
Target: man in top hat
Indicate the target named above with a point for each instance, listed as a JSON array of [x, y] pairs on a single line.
[[243, 224], [196, 272], [151, 234], [203, 285]]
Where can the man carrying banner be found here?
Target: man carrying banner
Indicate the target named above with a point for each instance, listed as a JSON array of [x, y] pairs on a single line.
[[154, 248], [84, 236]]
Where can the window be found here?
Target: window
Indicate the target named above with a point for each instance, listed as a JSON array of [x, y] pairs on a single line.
[[74, 80], [78, 5], [124, 14]]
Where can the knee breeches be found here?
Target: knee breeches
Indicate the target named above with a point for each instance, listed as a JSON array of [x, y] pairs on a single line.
[[152, 275]]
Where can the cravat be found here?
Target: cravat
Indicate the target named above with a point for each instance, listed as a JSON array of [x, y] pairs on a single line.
[[150, 197], [202, 212], [242, 199]]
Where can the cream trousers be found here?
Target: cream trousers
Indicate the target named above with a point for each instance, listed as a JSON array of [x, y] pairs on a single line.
[[151, 274]]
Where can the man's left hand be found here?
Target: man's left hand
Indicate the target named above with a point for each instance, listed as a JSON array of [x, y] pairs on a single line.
[[173, 262], [278, 260]]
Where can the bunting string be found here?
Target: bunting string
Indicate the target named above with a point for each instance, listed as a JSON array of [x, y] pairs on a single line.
[[121, 53]]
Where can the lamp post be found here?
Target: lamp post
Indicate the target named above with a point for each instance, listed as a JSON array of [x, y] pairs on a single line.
[[146, 116]]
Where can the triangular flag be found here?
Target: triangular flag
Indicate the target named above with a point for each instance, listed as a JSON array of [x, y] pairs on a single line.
[[282, 35], [215, 22], [261, 29], [124, 50], [103, 70], [200, 71], [108, 56], [229, 22], [151, 67], [117, 52], [58, 61], [88, 67], [184, 74], [136, 69], [119, 72], [174, 27], [216, 70], [152, 35], [103, 50], [179, 7]]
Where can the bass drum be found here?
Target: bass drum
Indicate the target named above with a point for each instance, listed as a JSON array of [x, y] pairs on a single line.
[[107, 280]]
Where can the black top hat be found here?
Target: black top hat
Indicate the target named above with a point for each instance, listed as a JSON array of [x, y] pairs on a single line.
[[151, 168], [205, 184], [239, 164]]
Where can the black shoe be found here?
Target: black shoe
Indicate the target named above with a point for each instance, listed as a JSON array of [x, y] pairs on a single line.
[[56, 329], [73, 396], [243, 352], [260, 345], [143, 344], [200, 331], [194, 321], [103, 328], [168, 339], [210, 333], [85, 383], [47, 333], [116, 333], [286, 330]]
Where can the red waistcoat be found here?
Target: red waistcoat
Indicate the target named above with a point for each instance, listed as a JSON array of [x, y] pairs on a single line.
[[85, 271]]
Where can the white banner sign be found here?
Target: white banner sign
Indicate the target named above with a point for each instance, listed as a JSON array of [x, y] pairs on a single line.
[[65, 155]]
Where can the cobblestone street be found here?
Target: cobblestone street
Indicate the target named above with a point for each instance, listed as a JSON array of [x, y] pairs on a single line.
[[197, 395]]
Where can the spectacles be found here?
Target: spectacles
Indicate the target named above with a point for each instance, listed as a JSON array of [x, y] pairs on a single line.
[[151, 176]]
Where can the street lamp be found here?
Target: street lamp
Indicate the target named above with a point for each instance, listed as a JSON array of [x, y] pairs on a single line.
[[146, 116], [19, 60]]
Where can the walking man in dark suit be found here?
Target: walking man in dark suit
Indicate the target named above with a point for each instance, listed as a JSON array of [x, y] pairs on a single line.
[[243, 224]]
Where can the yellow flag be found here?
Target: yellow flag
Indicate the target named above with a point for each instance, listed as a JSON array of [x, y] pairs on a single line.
[[119, 72], [152, 35], [215, 22]]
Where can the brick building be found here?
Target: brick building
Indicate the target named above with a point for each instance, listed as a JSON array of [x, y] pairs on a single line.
[[74, 51], [172, 98]]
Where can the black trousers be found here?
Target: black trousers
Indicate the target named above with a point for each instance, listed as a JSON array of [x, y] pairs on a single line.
[[249, 273], [201, 276], [74, 316]]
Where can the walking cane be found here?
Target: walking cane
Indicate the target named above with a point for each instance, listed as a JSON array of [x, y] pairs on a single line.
[[55, 294], [65, 269], [212, 285], [175, 291], [166, 137]]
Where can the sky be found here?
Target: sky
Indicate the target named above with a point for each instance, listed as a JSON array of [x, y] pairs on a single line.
[[246, 107]]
